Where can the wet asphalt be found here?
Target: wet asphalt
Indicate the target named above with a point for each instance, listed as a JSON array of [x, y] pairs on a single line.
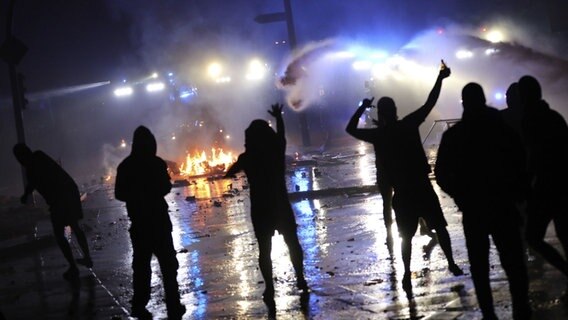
[[351, 273]]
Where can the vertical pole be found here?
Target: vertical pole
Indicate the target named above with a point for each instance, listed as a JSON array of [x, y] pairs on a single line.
[[16, 94], [306, 141]]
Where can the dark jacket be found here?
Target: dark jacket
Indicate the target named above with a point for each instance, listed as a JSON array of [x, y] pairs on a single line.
[[142, 181], [546, 138], [481, 161], [47, 177]]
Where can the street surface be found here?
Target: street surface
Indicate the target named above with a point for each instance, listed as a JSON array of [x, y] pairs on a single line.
[[348, 266]]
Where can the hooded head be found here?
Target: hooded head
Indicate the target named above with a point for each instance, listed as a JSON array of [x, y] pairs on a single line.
[[473, 97], [386, 110], [529, 90], [143, 142], [22, 153], [259, 135], [513, 98]]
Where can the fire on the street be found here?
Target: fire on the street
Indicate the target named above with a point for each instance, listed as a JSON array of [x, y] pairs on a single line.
[[200, 163]]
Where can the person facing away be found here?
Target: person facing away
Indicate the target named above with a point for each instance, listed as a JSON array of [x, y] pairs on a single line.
[[513, 114], [142, 181], [264, 165], [545, 136], [63, 198], [398, 146], [481, 165]]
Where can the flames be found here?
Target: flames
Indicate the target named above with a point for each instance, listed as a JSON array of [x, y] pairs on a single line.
[[201, 163]]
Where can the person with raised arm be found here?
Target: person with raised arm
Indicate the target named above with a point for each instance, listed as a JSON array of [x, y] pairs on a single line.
[[399, 153], [264, 165]]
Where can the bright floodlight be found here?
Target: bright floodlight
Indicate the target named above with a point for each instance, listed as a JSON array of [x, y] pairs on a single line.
[[494, 36], [214, 70], [464, 54], [123, 91], [154, 75], [256, 70], [499, 96], [155, 86]]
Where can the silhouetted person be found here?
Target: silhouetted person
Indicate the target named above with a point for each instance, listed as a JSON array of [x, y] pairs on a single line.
[[62, 195], [399, 148], [264, 165], [142, 181], [481, 165], [513, 114], [386, 190], [545, 136]]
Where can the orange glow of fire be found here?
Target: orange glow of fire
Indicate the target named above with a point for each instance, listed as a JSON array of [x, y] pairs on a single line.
[[201, 163]]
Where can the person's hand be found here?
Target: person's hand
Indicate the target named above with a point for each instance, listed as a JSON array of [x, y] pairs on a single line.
[[367, 103], [24, 199], [444, 71], [276, 110]]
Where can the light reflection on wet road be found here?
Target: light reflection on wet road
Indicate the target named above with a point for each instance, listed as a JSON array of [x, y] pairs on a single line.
[[347, 262]]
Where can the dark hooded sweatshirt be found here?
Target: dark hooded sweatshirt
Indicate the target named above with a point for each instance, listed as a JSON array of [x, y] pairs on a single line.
[[142, 181]]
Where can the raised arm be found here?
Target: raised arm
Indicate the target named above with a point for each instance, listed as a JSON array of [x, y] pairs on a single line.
[[276, 112], [422, 112], [361, 134]]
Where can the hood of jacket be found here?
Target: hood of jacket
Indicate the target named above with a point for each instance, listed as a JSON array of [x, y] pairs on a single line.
[[143, 142]]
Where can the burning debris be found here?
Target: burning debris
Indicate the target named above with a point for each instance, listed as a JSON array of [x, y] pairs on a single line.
[[203, 164]]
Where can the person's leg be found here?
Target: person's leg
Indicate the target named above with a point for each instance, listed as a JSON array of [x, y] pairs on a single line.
[[142, 271], [535, 233], [446, 245], [265, 263], [424, 229], [386, 191], [477, 242], [508, 242], [82, 240], [166, 255], [406, 247], [72, 272], [561, 228], [407, 222], [296, 255]]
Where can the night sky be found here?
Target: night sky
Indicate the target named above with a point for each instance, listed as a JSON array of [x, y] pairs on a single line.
[[74, 42]]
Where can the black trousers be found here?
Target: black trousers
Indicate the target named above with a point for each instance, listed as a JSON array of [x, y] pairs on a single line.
[[144, 245], [504, 227]]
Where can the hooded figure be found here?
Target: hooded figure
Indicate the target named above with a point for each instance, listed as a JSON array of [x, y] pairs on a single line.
[[142, 181]]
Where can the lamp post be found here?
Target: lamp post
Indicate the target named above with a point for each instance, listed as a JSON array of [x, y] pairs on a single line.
[[12, 51], [287, 16]]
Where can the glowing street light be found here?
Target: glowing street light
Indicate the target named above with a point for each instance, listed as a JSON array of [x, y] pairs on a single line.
[[123, 91], [214, 70], [256, 70], [464, 54], [495, 36], [155, 86]]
